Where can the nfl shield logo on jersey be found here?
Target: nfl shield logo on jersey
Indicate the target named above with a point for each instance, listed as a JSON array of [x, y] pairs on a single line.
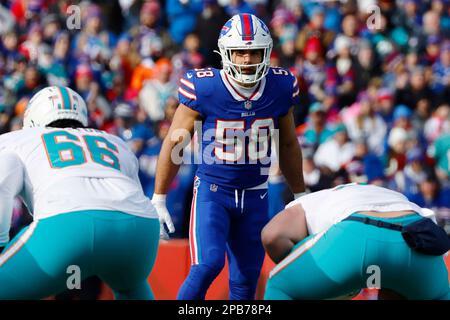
[[248, 104]]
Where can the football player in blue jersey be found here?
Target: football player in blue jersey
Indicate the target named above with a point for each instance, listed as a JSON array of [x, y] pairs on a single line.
[[242, 109]]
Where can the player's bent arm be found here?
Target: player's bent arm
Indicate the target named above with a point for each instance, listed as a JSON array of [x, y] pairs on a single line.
[[11, 183], [281, 234], [181, 130], [290, 154]]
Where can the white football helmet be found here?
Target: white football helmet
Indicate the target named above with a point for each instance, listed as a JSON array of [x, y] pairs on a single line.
[[244, 32], [55, 103]]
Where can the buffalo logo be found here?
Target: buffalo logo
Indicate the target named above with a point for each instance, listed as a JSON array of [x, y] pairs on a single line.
[[226, 28], [264, 27]]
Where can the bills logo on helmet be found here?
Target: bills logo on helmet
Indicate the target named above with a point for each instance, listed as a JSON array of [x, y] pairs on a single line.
[[226, 28], [264, 27]]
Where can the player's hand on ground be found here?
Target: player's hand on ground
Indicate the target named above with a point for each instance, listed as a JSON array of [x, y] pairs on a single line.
[[159, 202]]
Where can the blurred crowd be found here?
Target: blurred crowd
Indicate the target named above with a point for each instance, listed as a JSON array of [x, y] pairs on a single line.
[[374, 79]]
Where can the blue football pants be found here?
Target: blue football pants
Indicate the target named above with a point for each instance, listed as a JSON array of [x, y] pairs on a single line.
[[225, 221]]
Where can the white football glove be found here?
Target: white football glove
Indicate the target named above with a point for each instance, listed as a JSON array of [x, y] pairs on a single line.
[[159, 202]]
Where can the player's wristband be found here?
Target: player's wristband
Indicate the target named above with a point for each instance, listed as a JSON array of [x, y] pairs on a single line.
[[159, 197], [298, 195]]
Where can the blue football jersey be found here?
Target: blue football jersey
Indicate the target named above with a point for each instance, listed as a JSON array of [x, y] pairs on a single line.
[[238, 124]]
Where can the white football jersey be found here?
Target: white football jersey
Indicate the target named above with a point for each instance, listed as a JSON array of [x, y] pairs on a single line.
[[65, 170], [327, 207]]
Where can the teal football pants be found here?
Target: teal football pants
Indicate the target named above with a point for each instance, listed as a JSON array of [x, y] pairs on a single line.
[[117, 247], [342, 260]]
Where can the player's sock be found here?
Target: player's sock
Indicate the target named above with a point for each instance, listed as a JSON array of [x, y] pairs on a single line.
[[197, 282]]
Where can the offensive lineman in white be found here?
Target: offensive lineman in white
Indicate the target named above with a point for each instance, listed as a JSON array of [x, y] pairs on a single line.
[[81, 186], [352, 227]]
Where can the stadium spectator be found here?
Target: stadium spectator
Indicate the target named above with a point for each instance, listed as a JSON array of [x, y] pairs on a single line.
[[407, 181], [287, 45], [208, 26], [190, 56], [155, 92], [129, 129], [440, 82], [384, 104], [366, 124], [58, 72], [317, 130], [312, 70], [365, 166], [182, 17], [7, 20], [421, 114], [366, 65], [395, 155], [438, 123], [90, 90], [315, 28], [440, 153], [431, 194], [350, 28], [335, 152], [341, 73], [152, 39]]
